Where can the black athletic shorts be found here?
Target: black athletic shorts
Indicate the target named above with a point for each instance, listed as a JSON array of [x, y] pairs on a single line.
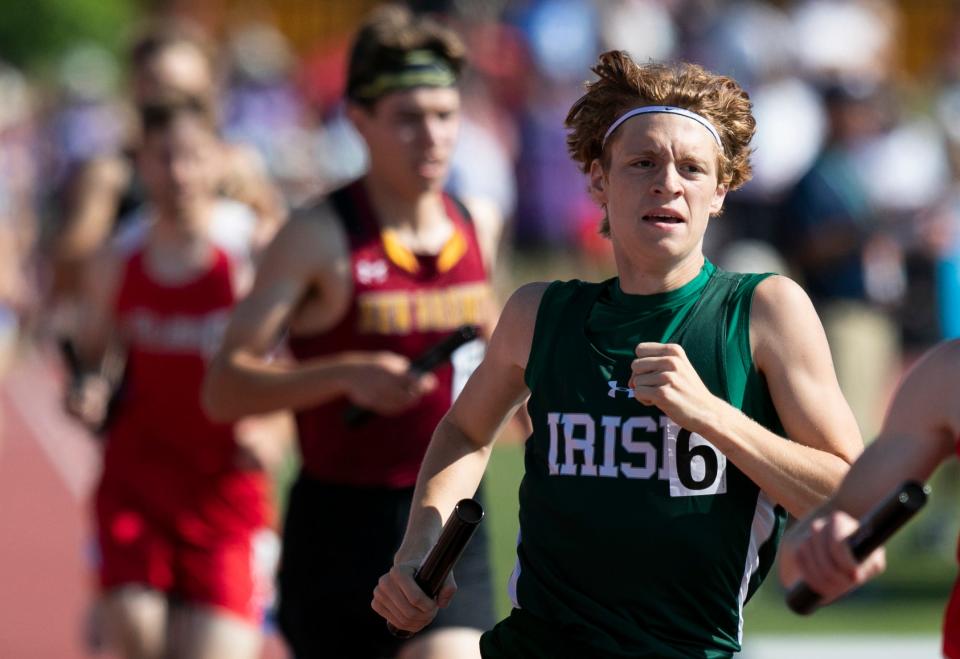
[[337, 542]]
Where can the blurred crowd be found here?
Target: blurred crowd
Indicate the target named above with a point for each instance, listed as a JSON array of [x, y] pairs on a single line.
[[856, 192]]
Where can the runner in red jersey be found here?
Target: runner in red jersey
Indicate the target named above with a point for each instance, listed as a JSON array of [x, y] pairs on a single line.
[[180, 502], [362, 283], [102, 194], [921, 431]]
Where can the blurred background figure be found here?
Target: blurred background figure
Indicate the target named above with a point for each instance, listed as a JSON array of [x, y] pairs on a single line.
[[102, 190], [182, 501], [941, 227], [18, 215], [851, 266], [88, 121], [14, 240]]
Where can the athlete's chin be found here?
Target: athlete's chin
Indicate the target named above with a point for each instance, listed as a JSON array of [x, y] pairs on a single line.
[[662, 252], [186, 202], [431, 183], [431, 170], [662, 243], [185, 214]]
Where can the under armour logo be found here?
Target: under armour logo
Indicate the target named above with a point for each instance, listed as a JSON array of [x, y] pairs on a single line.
[[614, 389], [372, 272]]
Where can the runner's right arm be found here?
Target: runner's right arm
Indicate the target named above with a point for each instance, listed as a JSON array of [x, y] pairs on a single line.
[[92, 201], [88, 392], [919, 433], [457, 457], [303, 280]]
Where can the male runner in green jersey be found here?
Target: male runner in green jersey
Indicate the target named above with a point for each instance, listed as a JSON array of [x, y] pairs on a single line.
[[679, 411]]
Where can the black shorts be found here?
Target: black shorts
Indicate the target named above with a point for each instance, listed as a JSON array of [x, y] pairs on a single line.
[[337, 542]]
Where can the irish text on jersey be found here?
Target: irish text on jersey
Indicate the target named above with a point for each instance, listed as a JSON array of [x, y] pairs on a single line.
[[635, 447]]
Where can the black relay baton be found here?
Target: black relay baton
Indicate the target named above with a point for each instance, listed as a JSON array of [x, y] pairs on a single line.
[[76, 371], [424, 363], [876, 527], [453, 539], [68, 352]]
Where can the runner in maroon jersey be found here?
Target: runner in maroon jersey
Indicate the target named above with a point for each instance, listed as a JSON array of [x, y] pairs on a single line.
[[363, 282], [920, 432], [181, 499]]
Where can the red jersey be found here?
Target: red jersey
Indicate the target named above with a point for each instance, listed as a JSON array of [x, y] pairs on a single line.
[[163, 453], [402, 303], [951, 620]]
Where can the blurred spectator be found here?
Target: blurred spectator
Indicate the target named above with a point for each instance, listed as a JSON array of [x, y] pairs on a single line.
[[846, 38], [483, 167], [941, 226], [790, 136], [753, 41], [262, 106], [485, 158], [88, 122], [850, 266], [563, 37], [750, 40], [327, 151], [563, 42], [550, 210], [12, 295], [902, 189], [941, 236], [19, 165], [644, 28]]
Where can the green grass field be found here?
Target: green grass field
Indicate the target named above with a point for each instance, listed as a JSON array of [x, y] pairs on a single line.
[[909, 599], [500, 492]]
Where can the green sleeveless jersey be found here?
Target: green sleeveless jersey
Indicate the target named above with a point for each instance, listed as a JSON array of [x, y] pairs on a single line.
[[637, 537]]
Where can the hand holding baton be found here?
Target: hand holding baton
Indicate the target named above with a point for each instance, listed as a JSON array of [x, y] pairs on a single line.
[[454, 537], [423, 363], [876, 527]]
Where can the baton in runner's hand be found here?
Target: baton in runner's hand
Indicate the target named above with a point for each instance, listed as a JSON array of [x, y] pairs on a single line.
[[876, 527], [424, 363], [112, 368], [453, 539], [68, 352]]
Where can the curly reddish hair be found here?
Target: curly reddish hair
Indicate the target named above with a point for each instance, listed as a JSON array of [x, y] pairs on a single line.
[[623, 84]]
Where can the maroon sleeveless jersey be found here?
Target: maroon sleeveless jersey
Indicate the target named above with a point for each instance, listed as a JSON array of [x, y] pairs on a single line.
[[164, 455], [402, 303]]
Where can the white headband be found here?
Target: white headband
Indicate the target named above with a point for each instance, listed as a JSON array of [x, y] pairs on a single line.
[[668, 109]]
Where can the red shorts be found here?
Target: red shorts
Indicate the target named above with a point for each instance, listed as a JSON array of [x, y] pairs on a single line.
[[220, 573]]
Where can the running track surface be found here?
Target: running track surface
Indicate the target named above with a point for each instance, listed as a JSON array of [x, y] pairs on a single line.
[[48, 467]]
